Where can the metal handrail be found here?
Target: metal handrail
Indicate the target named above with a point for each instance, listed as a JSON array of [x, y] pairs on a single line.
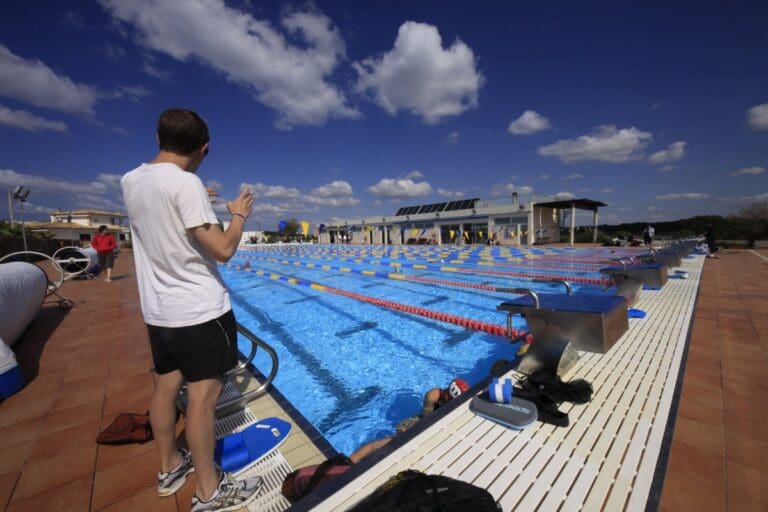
[[256, 342], [248, 395], [523, 291], [568, 286]]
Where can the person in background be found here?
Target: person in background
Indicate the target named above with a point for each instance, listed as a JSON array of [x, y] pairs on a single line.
[[648, 235], [711, 241], [177, 241], [105, 244]]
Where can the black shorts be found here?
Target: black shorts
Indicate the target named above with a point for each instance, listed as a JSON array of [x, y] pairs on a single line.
[[106, 260], [202, 351]]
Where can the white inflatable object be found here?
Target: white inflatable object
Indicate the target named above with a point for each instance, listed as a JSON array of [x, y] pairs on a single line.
[[7, 358], [23, 287], [76, 260]]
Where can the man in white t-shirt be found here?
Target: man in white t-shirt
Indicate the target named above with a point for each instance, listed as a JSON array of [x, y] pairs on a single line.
[[177, 241]]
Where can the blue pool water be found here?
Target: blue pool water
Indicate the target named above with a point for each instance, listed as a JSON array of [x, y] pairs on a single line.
[[355, 370]]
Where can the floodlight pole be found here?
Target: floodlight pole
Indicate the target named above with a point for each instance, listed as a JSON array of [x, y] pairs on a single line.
[[23, 228], [10, 206]]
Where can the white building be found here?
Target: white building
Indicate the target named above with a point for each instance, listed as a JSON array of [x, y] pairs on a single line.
[[80, 225], [468, 221]]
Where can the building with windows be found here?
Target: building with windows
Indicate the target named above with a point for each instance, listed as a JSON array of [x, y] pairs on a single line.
[[80, 225], [466, 221]]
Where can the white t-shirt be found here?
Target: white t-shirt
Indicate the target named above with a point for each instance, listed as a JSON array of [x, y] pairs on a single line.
[[179, 284]]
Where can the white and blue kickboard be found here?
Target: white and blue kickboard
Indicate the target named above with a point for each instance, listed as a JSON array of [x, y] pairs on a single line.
[[517, 413], [248, 446]]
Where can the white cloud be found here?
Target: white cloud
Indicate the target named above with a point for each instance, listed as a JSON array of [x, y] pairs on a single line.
[[666, 168], [31, 81], [28, 121], [336, 193], [529, 123], [683, 195], [104, 192], [289, 78], [758, 117], [273, 191], [674, 152], [544, 176], [604, 144], [506, 189], [452, 138], [748, 171], [154, 71], [400, 188], [575, 176], [744, 199], [454, 194], [564, 195], [419, 76], [74, 19], [414, 175], [607, 190]]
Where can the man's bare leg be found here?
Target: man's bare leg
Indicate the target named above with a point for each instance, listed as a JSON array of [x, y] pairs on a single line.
[[200, 433], [162, 414]]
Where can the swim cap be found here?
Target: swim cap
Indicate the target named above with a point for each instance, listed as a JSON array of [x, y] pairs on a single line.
[[457, 387]]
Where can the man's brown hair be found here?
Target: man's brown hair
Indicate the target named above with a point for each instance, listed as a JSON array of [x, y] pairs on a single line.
[[181, 131]]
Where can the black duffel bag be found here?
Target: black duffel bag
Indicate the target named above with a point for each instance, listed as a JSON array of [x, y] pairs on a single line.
[[413, 491]]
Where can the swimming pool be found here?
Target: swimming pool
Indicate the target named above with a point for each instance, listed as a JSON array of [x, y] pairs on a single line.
[[355, 369]]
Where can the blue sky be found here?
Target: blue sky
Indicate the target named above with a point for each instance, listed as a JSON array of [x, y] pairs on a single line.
[[335, 110]]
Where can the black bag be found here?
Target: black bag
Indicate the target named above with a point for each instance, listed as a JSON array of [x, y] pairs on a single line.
[[413, 491]]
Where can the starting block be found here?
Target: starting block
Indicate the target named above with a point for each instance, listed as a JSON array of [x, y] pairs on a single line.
[[563, 324]]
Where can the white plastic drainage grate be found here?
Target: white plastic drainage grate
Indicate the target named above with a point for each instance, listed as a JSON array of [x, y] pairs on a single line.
[[272, 468]]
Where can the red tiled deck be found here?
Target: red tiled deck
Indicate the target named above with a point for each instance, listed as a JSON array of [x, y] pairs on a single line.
[[89, 365], [84, 367], [719, 456]]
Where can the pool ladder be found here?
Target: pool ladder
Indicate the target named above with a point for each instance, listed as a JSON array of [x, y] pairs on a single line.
[[236, 394]]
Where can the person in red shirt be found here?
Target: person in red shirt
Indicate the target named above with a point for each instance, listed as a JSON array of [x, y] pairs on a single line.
[[104, 242]]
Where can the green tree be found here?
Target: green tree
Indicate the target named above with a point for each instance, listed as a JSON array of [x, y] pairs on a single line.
[[292, 228], [754, 218]]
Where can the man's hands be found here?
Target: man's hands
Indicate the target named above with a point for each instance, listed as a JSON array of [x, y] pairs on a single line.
[[223, 244], [243, 204]]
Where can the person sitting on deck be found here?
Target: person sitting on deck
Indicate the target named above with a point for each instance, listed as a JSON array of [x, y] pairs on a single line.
[[433, 400]]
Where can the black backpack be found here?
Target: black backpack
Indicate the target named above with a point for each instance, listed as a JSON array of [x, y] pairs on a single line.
[[413, 491]]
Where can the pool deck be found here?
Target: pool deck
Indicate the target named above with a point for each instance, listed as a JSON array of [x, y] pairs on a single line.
[[86, 366]]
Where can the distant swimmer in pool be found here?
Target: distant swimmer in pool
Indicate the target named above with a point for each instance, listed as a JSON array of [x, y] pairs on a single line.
[[433, 400]]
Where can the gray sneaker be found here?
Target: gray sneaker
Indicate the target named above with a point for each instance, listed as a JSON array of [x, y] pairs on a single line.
[[231, 494], [170, 482]]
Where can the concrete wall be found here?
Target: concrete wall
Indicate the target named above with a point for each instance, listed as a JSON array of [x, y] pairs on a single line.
[[546, 225]]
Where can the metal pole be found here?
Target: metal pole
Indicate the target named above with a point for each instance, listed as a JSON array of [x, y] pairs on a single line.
[[573, 221], [10, 206], [594, 227], [23, 229]]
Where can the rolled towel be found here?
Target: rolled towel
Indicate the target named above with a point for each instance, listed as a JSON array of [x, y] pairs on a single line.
[[501, 390]]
